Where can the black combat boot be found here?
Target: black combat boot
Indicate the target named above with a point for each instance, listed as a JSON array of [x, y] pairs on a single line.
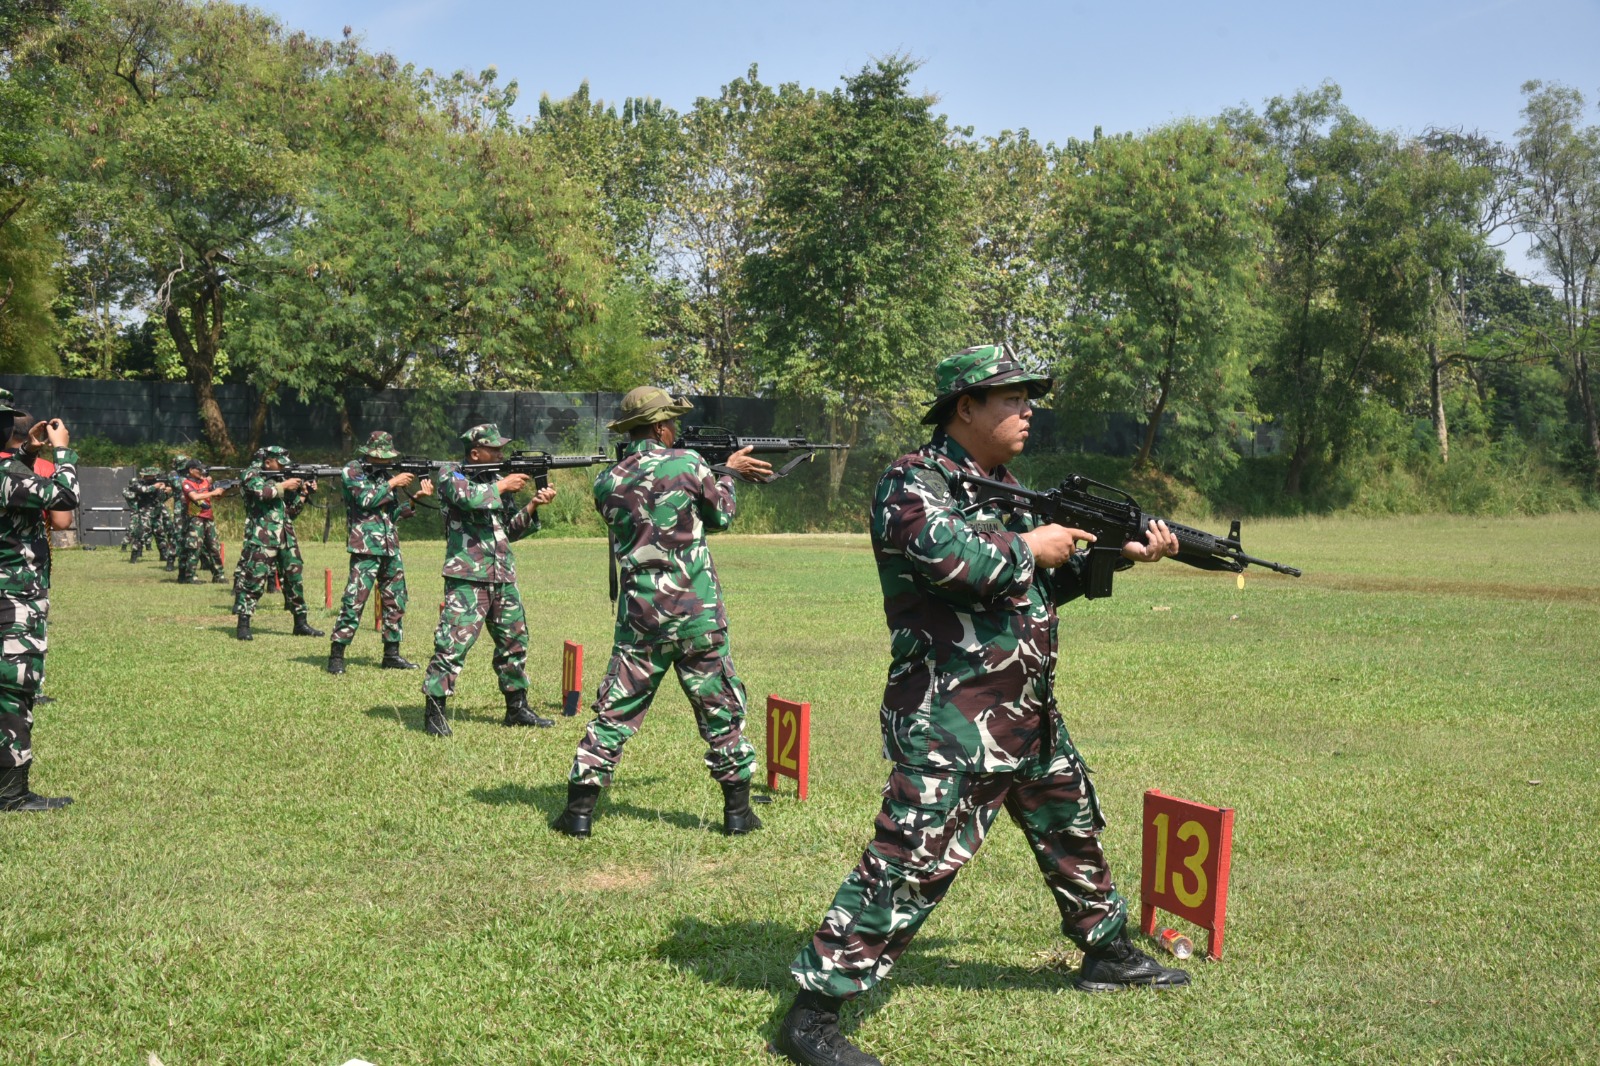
[[16, 796], [335, 657], [434, 722], [302, 628], [172, 564], [737, 817], [242, 630], [133, 556], [216, 577], [392, 659], [1117, 964], [810, 1034], [186, 581], [519, 713], [124, 546], [40, 699], [578, 819]]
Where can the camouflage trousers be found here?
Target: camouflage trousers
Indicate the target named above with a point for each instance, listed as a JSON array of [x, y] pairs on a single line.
[[388, 573], [705, 671], [22, 647], [139, 531], [256, 565], [201, 547], [166, 532], [932, 822], [468, 605]]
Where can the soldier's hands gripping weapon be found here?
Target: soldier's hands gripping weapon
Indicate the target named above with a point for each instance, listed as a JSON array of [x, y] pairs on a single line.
[[716, 445], [419, 466], [536, 466], [1115, 518]]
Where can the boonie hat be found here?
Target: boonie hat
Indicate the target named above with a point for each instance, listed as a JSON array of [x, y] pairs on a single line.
[[986, 366], [485, 436], [273, 451], [8, 406], [380, 445], [645, 406]]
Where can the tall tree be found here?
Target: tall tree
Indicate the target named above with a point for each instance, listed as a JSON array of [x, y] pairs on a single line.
[[856, 289], [1166, 231], [1560, 198]]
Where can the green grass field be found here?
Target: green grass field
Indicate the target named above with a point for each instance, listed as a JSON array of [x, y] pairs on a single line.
[[267, 864]]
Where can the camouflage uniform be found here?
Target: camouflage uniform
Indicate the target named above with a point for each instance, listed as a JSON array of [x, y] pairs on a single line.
[[372, 508], [165, 526], [143, 498], [25, 590], [200, 545], [269, 541], [480, 577], [969, 721], [658, 504]]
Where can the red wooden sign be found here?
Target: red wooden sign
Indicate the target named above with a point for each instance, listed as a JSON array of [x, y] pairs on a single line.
[[788, 742], [571, 676], [1188, 848], [327, 587]]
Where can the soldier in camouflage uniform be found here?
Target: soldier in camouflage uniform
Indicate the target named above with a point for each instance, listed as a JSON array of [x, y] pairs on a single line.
[[26, 500], [271, 505], [373, 504], [481, 519], [658, 502], [200, 545], [969, 713], [143, 496], [169, 494]]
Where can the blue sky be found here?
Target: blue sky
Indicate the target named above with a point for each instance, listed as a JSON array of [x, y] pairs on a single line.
[[1058, 69]]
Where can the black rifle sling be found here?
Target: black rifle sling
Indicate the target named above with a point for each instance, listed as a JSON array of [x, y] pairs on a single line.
[[611, 560]]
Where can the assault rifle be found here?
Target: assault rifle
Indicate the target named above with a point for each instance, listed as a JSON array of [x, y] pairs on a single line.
[[716, 445], [537, 465], [417, 465], [1115, 518], [303, 471]]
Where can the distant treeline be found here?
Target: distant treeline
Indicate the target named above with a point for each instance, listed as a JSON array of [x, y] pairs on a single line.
[[195, 193]]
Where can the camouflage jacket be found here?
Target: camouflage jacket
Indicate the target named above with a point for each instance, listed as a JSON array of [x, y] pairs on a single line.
[[371, 510], [972, 620], [142, 497], [479, 526], [658, 504], [24, 536], [268, 510]]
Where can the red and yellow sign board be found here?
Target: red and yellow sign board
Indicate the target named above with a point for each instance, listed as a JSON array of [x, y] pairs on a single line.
[[1188, 848], [571, 676], [788, 741]]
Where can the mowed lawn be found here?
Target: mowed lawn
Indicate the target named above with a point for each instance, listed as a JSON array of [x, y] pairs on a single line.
[[267, 864]]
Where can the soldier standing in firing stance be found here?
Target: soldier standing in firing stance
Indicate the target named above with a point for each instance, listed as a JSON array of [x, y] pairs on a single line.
[[269, 542], [373, 505], [481, 519], [969, 711], [200, 545], [658, 502]]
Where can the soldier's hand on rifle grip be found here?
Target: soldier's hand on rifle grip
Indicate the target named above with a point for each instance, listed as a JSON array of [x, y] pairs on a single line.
[[289, 484], [1159, 542], [512, 483], [745, 465], [403, 480], [424, 489], [1053, 545], [542, 497]]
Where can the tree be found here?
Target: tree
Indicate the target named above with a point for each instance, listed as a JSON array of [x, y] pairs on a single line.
[[1560, 199], [1351, 280], [856, 287], [1015, 296], [1166, 232]]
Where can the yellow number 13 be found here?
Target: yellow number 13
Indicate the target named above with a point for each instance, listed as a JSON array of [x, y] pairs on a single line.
[[1202, 847]]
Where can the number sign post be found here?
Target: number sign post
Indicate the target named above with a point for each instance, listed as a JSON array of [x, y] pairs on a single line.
[[571, 676], [788, 742], [1188, 848]]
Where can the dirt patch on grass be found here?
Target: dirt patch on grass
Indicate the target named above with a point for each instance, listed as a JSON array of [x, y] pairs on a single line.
[[613, 878], [191, 619], [1475, 589]]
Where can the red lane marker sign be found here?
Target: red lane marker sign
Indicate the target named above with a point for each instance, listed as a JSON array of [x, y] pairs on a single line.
[[788, 742], [1188, 849], [327, 587], [571, 676]]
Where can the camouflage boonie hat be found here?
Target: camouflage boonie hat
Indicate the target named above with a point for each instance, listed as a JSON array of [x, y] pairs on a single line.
[[645, 406], [485, 436], [8, 406], [274, 451], [987, 366], [380, 445], [149, 471]]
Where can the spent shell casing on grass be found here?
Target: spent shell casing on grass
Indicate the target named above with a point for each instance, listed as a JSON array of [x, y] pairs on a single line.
[[1176, 944]]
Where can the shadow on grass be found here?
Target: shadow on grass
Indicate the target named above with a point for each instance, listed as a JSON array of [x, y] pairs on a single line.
[[408, 711], [755, 956], [552, 800]]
